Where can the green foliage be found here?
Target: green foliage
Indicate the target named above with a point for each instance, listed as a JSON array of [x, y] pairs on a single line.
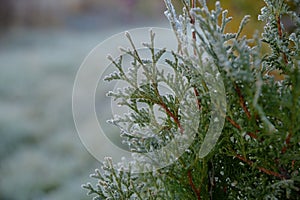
[[257, 154]]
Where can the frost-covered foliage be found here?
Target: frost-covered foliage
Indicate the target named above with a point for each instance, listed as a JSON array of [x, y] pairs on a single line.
[[257, 154]]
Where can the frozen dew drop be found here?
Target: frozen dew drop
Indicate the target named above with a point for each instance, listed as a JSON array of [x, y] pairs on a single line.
[[247, 137], [234, 183], [216, 119]]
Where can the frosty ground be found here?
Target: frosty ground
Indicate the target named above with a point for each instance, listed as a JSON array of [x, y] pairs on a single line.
[[41, 156]]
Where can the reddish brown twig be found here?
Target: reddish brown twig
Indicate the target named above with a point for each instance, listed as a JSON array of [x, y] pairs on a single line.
[[195, 53], [280, 35], [197, 96], [236, 125], [288, 138], [168, 111], [252, 135], [269, 172], [293, 164], [279, 27], [266, 171], [193, 21], [170, 114], [242, 101], [196, 191], [287, 142], [193, 3]]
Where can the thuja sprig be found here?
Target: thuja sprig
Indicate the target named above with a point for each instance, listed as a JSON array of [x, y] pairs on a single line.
[[257, 154], [147, 91]]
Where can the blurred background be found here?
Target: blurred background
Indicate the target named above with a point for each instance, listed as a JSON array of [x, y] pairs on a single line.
[[42, 45]]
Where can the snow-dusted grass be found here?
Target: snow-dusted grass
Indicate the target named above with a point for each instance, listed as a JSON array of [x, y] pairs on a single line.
[[41, 156]]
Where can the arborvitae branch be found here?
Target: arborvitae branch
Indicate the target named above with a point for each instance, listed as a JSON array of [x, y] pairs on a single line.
[[257, 153], [194, 188], [242, 101]]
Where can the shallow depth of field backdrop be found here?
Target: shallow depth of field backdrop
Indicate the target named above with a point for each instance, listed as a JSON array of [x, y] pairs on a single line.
[[42, 44]]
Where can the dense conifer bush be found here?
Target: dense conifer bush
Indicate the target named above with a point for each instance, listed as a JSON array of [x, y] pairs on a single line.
[[257, 154]]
